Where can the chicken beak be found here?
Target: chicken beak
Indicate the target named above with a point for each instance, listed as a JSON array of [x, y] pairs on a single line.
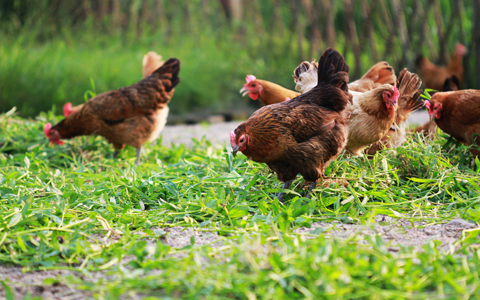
[[235, 150], [244, 91]]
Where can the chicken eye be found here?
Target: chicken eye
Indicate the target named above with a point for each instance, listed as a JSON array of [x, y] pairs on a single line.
[[242, 140], [254, 85]]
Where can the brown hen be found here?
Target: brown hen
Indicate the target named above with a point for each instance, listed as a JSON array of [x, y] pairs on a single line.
[[303, 135], [440, 77], [131, 115], [458, 114]]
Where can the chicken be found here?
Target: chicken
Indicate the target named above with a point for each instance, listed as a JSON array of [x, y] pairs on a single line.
[[304, 134], [458, 114], [409, 100], [435, 77], [266, 91], [131, 115], [305, 76], [151, 62], [372, 113]]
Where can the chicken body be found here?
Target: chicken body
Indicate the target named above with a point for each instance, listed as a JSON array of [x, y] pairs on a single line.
[[265, 91], [458, 114], [303, 135], [437, 77], [131, 115], [151, 62]]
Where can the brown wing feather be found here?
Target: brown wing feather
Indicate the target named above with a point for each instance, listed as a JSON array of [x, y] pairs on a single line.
[[408, 85]]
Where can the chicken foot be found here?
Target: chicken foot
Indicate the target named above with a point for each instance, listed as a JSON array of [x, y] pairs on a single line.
[[285, 186]]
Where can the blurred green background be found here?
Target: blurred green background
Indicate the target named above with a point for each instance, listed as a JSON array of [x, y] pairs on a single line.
[[54, 51]]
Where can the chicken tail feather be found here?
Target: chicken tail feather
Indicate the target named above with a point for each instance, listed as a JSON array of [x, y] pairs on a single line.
[[172, 68], [408, 85], [333, 70]]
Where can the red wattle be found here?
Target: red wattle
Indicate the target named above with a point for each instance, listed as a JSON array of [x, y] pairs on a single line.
[[253, 96]]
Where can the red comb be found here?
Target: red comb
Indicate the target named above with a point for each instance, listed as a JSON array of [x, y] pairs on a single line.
[[461, 49], [396, 93], [427, 104], [232, 138], [46, 129], [250, 78], [67, 109]]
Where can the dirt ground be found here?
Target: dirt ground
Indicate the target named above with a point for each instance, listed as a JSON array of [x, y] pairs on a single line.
[[394, 232]]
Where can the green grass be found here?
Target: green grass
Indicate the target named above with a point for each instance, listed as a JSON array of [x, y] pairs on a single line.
[[74, 207]]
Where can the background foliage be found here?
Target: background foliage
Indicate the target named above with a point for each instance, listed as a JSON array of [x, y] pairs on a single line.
[[52, 51]]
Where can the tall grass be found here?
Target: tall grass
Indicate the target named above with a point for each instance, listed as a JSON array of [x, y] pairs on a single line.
[[34, 77], [50, 52]]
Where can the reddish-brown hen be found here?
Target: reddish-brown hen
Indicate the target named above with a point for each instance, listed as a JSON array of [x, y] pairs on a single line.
[[458, 114], [440, 77], [303, 135], [131, 115], [266, 91]]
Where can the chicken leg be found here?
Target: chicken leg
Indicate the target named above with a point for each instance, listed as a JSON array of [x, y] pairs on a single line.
[[139, 151], [115, 153], [310, 189], [285, 186]]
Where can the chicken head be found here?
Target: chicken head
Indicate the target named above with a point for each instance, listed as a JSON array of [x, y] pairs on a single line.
[[252, 87], [434, 110], [390, 97], [52, 134]]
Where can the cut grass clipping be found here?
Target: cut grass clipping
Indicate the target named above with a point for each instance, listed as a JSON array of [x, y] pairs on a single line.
[[108, 223]]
